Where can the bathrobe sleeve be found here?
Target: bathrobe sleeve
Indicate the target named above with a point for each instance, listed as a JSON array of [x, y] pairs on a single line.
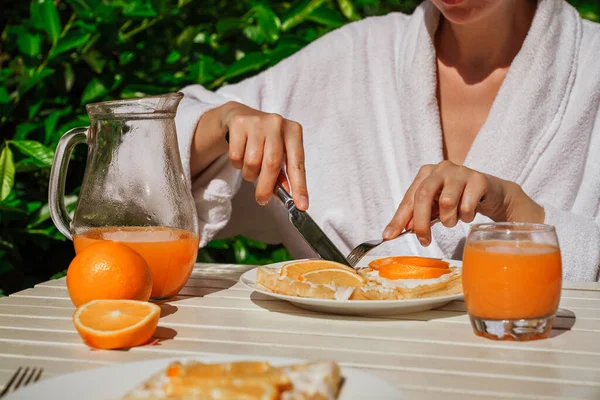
[[269, 91], [579, 239]]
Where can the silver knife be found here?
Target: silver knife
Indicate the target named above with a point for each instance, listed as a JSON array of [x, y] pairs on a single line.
[[307, 227], [309, 230]]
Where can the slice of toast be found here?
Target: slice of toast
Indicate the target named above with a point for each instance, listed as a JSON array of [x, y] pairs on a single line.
[[241, 381]]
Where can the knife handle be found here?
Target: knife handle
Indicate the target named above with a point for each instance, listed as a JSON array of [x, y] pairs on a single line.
[[283, 195], [279, 190]]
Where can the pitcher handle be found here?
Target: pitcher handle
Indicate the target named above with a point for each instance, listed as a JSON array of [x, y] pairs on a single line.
[[58, 176]]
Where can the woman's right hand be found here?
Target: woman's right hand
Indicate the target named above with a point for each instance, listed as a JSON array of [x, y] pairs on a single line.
[[259, 144]]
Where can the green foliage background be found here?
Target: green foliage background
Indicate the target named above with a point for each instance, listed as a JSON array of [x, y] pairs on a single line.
[[58, 55]]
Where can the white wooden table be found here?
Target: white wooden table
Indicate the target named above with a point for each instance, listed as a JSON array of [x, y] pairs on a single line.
[[430, 355]]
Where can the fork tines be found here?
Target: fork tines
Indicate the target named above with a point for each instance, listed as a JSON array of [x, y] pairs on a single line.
[[22, 377]]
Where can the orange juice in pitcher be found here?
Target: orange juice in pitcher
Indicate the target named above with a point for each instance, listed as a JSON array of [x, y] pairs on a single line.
[[134, 189], [170, 253]]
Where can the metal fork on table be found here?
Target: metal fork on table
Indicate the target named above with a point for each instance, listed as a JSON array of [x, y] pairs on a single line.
[[362, 249], [22, 377]]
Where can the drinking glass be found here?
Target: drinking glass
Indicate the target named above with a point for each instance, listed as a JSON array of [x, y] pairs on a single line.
[[134, 189], [512, 279]]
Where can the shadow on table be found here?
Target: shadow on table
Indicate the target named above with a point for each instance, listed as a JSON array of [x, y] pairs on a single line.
[[283, 307], [167, 309], [565, 320]]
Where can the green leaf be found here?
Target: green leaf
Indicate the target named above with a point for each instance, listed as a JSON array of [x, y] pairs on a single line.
[[4, 96], [240, 251], [140, 9], [69, 77], [218, 244], [7, 172], [348, 10], [33, 110], [185, 39], [255, 244], [49, 125], [24, 129], [299, 12], [173, 57], [95, 61], [227, 26], [35, 150], [43, 214], [28, 165], [205, 70], [37, 78], [282, 51], [44, 16], [94, 90], [249, 63], [266, 28], [327, 17], [126, 57], [30, 44], [73, 40], [280, 255], [59, 275]]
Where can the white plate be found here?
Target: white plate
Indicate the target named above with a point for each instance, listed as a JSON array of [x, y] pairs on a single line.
[[113, 382], [355, 307]]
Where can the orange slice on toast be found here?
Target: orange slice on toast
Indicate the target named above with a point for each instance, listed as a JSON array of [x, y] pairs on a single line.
[[116, 324], [409, 260], [293, 270], [332, 276], [405, 271]]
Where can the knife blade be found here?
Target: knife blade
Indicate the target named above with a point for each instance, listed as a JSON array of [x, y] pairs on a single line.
[[309, 230]]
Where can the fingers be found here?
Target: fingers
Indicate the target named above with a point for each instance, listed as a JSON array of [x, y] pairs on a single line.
[[425, 197], [404, 213], [294, 150], [476, 187], [253, 157], [450, 201], [258, 145], [451, 191], [237, 145], [270, 169]]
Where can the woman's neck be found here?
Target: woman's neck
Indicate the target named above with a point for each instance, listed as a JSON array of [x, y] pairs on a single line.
[[479, 48]]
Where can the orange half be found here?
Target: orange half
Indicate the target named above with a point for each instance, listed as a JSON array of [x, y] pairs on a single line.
[[116, 324], [409, 260], [333, 276], [293, 270]]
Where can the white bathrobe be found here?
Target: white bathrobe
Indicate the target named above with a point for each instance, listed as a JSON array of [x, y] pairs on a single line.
[[366, 97]]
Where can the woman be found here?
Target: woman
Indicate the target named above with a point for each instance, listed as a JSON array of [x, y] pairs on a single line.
[[487, 109]]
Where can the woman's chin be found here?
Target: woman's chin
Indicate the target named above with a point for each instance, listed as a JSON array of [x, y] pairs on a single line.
[[465, 11], [452, 2]]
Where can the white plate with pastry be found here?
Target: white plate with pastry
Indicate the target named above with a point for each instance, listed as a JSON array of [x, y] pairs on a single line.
[[382, 286], [224, 377]]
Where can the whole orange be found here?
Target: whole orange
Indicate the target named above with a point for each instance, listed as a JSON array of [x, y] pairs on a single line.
[[109, 271]]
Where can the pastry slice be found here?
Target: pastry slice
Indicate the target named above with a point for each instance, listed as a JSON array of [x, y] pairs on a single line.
[[246, 380]]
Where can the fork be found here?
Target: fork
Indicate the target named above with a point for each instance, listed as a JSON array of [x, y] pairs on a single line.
[[362, 249], [22, 377]]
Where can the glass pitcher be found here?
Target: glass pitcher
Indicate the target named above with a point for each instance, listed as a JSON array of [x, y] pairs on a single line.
[[134, 189]]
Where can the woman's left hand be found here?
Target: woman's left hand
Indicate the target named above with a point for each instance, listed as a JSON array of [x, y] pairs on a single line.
[[458, 193]]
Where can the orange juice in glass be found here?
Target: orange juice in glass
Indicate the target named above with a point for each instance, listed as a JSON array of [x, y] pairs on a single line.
[[512, 279]]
